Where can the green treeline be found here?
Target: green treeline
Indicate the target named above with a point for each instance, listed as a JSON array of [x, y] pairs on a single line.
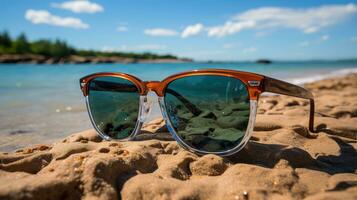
[[60, 49]]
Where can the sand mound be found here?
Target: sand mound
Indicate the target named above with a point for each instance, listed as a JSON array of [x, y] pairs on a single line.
[[278, 163]]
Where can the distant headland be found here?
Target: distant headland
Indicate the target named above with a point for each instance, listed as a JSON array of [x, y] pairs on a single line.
[[20, 50]]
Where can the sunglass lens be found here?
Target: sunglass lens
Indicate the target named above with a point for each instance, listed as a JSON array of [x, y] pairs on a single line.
[[208, 112], [114, 105]]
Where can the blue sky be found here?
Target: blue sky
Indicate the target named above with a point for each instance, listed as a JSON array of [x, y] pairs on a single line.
[[203, 30]]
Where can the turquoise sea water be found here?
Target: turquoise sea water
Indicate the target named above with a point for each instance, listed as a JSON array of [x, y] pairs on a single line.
[[42, 103]]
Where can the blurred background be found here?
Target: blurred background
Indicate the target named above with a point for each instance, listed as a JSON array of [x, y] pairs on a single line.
[[47, 45]]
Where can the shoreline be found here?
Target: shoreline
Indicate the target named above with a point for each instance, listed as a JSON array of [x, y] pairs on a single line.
[[74, 59]]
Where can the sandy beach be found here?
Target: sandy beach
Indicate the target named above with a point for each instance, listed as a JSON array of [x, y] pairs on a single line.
[[278, 162]]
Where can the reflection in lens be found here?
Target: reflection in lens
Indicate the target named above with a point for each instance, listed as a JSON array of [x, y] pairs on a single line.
[[114, 105], [208, 112]]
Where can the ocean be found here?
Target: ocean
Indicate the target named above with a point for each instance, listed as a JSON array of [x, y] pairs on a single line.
[[43, 103]]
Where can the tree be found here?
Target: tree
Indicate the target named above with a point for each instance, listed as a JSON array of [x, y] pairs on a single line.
[[5, 40], [60, 49], [22, 45], [42, 47]]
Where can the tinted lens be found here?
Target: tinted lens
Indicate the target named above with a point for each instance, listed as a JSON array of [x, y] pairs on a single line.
[[209, 113], [114, 105]]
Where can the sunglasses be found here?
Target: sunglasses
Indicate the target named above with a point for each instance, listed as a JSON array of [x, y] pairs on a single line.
[[206, 111]]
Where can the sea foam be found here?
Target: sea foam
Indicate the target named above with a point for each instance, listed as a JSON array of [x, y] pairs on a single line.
[[331, 74]]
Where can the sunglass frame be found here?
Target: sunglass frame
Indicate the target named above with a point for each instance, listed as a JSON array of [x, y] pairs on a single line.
[[255, 84]]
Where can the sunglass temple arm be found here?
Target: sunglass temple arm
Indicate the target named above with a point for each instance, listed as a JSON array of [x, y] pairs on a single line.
[[281, 87]]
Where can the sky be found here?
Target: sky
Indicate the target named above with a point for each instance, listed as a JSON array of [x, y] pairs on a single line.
[[224, 30]]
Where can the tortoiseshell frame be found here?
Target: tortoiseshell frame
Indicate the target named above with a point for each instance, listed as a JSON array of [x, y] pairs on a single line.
[[255, 83]]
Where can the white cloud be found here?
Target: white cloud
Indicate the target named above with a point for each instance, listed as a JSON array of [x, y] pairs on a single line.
[[229, 28], [160, 32], [306, 20], [44, 17], [143, 47], [122, 28], [192, 30], [79, 6], [250, 50], [325, 37]]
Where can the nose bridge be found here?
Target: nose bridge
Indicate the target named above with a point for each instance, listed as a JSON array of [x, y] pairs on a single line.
[[155, 86]]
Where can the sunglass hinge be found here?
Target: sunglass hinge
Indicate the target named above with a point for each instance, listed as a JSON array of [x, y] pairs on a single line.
[[83, 84], [254, 83]]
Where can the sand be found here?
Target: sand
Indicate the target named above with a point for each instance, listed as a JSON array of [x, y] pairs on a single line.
[[278, 162]]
